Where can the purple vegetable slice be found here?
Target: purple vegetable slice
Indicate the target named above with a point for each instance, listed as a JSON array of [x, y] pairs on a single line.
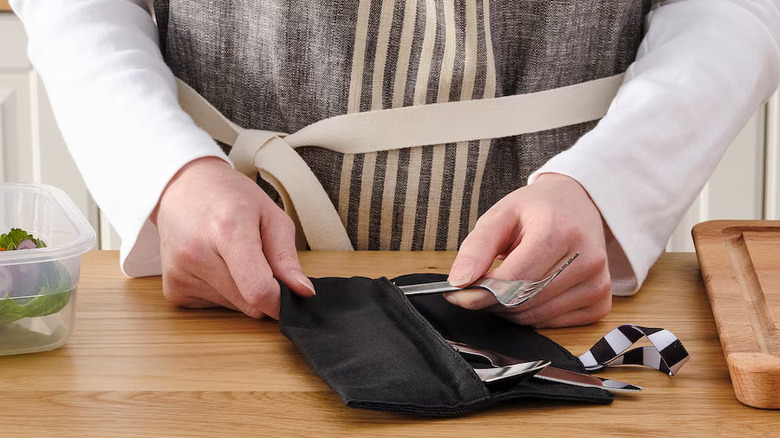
[[26, 244]]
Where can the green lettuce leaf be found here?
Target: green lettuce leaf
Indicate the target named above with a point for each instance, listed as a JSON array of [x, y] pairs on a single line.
[[54, 295], [10, 240], [50, 295]]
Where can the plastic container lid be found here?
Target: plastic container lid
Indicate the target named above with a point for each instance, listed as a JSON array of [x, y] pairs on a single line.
[[69, 232]]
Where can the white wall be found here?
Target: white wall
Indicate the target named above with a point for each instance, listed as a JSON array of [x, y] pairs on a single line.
[[772, 160]]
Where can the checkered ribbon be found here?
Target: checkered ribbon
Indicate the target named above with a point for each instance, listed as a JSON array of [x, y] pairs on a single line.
[[667, 354]]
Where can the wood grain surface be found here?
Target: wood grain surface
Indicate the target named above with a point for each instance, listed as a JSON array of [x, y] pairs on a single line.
[[4, 6], [137, 366], [740, 261]]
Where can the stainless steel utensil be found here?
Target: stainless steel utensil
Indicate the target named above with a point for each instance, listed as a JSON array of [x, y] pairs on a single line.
[[511, 371], [550, 373], [510, 293], [586, 380]]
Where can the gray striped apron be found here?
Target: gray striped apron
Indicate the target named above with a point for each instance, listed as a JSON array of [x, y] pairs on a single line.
[[282, 65]]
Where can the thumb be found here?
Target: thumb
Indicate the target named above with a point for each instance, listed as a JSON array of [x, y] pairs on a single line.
[[491, 236], [278, 235]]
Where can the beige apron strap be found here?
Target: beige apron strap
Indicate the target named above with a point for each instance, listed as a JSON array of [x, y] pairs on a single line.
[[466, 120], [206, 116]]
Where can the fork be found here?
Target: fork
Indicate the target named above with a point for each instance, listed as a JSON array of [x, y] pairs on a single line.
[[509, 293]]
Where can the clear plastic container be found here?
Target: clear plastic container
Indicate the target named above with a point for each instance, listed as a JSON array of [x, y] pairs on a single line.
[[38, 286]]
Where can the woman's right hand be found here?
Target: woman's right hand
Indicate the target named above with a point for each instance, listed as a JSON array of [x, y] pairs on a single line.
[[223, 242]]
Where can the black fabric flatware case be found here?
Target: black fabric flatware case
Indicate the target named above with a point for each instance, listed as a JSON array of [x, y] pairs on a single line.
[[378, 349]]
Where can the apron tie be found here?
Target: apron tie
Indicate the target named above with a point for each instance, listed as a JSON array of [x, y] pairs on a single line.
[[304, 198], [272, 154]]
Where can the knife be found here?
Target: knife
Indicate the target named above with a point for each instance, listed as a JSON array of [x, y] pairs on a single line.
[[585, 380], [549, 373]]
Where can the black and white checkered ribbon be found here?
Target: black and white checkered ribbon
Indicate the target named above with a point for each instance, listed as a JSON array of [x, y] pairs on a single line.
[[667, 354]]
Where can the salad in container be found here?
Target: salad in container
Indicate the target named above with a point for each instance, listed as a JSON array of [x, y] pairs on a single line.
[[42, 238]]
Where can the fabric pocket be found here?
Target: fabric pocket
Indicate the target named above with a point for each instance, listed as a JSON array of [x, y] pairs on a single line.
[[379, 350]]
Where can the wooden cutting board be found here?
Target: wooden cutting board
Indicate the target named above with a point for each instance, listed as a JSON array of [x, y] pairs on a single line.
[[740, 265]]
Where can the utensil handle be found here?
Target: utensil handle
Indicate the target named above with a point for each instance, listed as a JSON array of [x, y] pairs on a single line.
[[428, 288]]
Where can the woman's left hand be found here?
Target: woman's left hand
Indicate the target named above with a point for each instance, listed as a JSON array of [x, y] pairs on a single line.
[[535, 229]]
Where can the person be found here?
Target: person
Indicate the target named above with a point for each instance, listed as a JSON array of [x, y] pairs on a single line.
[[612, 190]]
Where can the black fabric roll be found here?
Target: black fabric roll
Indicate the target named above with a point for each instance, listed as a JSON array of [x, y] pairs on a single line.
[[379, 350]]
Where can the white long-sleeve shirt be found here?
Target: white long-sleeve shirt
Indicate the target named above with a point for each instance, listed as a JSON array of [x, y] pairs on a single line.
[[702, 69]]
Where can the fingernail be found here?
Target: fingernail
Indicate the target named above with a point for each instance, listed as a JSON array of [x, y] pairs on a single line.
[[461, 272], [452, 298], [305, 282]]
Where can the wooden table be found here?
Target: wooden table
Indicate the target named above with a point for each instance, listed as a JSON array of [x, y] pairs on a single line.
[[138, 366]]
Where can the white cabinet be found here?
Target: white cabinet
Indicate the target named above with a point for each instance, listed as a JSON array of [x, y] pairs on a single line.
[[15, 125], [31, 147], [15, 128]]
